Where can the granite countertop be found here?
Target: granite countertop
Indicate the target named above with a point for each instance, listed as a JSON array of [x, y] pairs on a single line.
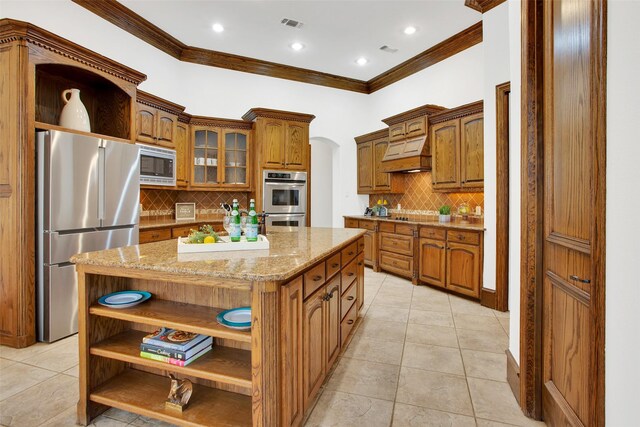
[[432, 221], [146, 223], [290, 253]]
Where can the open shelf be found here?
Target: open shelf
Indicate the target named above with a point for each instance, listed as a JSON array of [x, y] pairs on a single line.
[[145, 394], [175, 315], [222, 364]]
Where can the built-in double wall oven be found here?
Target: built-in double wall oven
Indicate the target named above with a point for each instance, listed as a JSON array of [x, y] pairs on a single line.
[[285, 198]]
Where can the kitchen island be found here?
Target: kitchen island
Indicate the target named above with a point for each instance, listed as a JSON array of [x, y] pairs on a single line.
[[304, 292]]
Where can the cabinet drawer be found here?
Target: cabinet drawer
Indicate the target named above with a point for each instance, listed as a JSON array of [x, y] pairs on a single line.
[[349, 274], [333, 265], [314, 279], [348, 322], [396, 244], [416, 127], [468, 237], [148, 236], [361, 245], [348, 299], [400, 264], [349, 253], [183, 231], [351, 223], [388, 227], [433, 233], [404, 229], [396, 132], [367, 225]]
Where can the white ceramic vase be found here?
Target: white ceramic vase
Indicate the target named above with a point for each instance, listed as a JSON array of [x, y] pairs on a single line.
[[74, 115]]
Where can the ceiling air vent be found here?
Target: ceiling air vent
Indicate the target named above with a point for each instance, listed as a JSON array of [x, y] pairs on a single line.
[[388, 49], [291, 23]]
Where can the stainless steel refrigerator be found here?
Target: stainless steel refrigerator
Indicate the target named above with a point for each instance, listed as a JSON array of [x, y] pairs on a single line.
[[88, 200]]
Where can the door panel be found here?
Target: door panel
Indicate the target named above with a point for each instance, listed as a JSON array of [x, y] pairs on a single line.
[[146, 124], [121, 185], [296, 146], [433, 261], [273, 144], [333, 316], [313, 347], [445, 149], [166, 129], [472, 150], [463, 268], [381, 180], [60, 318], [291, 365], [365, 167]]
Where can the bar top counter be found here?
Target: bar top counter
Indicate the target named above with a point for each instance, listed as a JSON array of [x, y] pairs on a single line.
[[290, 253]]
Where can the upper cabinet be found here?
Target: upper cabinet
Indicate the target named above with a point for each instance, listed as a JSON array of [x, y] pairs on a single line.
[[183, 153], [220, 154], [156, 120], [371, 177], [457, 148]]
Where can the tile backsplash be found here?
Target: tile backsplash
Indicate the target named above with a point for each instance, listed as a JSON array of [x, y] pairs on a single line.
[[419, 196], [162, 202]]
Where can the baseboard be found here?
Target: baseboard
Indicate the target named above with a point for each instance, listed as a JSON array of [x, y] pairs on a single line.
[[513, 375], [21, 341], [488, 298]]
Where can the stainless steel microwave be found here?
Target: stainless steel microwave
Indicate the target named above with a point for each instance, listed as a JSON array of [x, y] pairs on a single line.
[[157, 165]]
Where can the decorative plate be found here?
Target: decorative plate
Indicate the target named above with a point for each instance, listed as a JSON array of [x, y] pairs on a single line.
[[236, 318], [124, 299]]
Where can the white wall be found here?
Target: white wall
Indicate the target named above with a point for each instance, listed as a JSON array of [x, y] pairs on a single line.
[[495, 42], [622, 339], [322, 153]]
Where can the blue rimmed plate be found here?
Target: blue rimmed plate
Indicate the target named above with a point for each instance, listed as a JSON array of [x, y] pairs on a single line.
[[124, 299], [236, 318]]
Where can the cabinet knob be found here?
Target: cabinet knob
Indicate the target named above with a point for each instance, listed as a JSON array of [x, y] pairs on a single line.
[[350, 298], [316, 278], [350, 322], [350, 273], [461, 237], [334, 265]]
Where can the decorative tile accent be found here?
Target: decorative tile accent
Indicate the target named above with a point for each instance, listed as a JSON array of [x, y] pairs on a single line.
[[162, 202], [419, 196]]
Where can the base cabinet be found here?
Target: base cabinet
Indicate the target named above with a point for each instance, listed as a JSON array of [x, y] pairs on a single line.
[[433, 259], [291, 303], [463, 268], [314, 342]]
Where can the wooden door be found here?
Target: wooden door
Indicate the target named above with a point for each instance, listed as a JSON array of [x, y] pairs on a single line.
[[381, 180], [416, 127], [235, 156], [291, 357], [146, 124], [365, 168], [182, 154], [273, 134], [165, 129], [360, 276], [313, 346], [463, 268], [445, 149], [332, 321], [396, 132], [472, 151], [433, 260], [296, 146], [572, 392]]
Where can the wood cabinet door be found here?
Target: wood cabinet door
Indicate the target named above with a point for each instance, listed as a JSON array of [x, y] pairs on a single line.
[[291, 357], [182, 155], [296, 146], [360, 274], [165, 129], [416, 127], [332, 321], [205, 158], [472, 151], [273, 134], [463, 269], [445, 149], [146, 124], [396, 132], [235, 156], [433, 260], [368, 248], [313, 346], [365, 168], [381, 180]]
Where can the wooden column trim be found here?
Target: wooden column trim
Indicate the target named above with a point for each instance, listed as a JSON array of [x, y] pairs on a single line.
[[502, 196], [513, 375], [488, 298]]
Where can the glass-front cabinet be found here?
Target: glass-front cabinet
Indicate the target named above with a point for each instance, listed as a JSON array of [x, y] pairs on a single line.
[[220, 158]]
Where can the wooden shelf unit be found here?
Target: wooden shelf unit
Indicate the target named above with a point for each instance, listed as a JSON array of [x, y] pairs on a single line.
[[175, 315], [144, 393], [222, 364]]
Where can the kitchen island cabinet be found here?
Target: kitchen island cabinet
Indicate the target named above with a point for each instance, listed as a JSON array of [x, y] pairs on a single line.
[[258, 377]]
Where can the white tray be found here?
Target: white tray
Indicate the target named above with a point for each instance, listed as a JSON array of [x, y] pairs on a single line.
[[242, 245]]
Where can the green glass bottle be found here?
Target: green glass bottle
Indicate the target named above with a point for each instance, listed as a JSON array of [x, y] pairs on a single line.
[[252, 223], [236, 230]]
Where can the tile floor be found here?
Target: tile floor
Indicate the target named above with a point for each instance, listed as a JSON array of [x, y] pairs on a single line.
[[419, 358]]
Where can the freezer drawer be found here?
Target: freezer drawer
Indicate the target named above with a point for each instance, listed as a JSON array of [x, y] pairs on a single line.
[[58, 248], [58, 303]]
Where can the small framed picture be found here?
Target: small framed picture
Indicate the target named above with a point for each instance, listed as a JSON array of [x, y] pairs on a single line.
[[186, 211]]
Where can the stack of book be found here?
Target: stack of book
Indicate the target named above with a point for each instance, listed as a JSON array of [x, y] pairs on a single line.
[[178, 348]]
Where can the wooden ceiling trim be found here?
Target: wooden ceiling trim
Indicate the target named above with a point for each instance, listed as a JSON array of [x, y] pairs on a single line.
[[372, 136], [269, 113], [483, 6], [443, 50], [456, 113], [151, 100], [424, 110]]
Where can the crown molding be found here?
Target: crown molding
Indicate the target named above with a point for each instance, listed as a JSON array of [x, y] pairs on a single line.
[[220, 122], [482, 6], [159, 103], [456, 113], [268, 113], [424, 110], [14, 30], [128, 20], [372, 136]]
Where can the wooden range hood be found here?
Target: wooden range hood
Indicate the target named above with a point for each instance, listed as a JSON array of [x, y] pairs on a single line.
[[409, 147]]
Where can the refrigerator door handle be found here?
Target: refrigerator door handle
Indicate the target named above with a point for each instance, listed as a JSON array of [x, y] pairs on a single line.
[[101, 182]]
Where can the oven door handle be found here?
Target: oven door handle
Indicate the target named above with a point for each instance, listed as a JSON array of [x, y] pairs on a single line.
[[278, 215], [281, 184]]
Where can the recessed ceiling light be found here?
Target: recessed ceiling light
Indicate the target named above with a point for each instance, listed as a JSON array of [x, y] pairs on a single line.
[[297, 46], [218, 28], [362, 61], [410, 30]]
